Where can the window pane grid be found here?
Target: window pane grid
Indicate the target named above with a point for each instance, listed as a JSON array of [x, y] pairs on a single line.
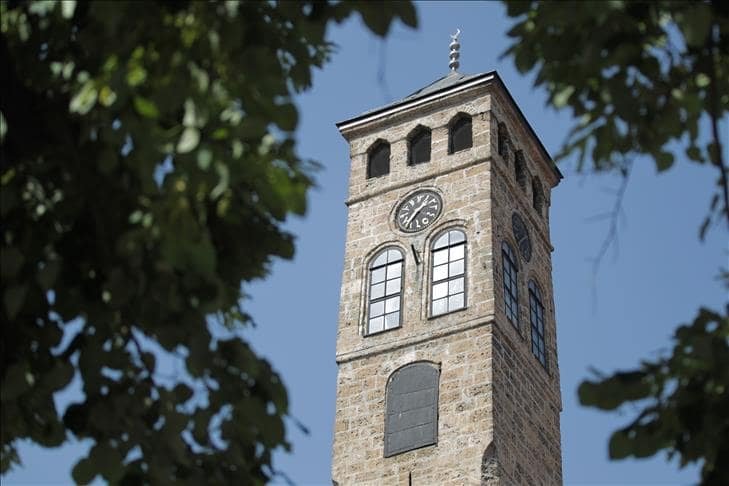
[[536, 317], [385, 292], [449, 269], [511, 294]]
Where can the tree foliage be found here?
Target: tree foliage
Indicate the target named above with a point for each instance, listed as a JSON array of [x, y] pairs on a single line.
[[687, 399], [148, 161], [646, 79]]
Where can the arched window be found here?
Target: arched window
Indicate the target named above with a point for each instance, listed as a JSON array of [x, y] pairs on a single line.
[[419, 146], [448, 286], [459, 134], [385, 291], [537, 195], [411, 400], [536, 318], [511, 290], [520, 170], [378, 159], [503, 138]]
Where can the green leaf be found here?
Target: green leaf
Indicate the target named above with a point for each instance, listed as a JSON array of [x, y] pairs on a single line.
[[11, 260], [695, 23], [182, 392], [107, 459], [85, 99], [3, 127], [15, 381], [664, 161], [694, 153], [136, 75], [48, 275], [408, 14], [620, 445], [68, 7], [146, 107], [188, 140], [378, 19], [560, 99], [204, 158], [84, 471], [702, 80], [287, 117], [14, 298]]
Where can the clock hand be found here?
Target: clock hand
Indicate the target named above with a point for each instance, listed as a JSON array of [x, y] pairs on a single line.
[[415, 213]]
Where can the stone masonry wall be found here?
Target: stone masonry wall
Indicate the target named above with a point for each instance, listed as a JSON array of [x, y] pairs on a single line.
[[527, 400], [463, 181], [498, 407], [464, 422], [458, 342]]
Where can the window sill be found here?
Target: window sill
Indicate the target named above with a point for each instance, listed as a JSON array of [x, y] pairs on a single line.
[[430, 318], [369, 334]]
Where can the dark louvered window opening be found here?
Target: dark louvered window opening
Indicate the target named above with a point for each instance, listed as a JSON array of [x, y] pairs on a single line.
[[537, 196], [420, 147], [520, 170], [459, 136], [411, 399], [378, 163], [503, 138]]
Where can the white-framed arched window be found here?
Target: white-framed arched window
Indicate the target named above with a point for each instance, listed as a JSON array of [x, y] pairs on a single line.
[[384, 296], [511, 288], [536, 319], [448, 272]]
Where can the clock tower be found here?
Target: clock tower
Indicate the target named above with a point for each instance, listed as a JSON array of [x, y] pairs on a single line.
[[446, 342]]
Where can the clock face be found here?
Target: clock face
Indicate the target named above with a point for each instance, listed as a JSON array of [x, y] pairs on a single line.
[[522, 236], [418, 211]]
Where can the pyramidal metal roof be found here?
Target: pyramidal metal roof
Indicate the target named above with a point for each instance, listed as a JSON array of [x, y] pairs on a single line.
[[453, 79]]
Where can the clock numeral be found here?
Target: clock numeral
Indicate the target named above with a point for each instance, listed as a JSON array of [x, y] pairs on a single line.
[[419, 211]]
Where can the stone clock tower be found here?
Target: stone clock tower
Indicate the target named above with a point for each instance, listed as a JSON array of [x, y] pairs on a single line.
[[446, 343]]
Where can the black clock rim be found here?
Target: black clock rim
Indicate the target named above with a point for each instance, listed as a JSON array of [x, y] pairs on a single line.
[[517, 220], [406, 199]]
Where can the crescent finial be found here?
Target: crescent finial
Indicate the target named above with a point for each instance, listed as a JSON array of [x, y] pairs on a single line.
[[454, 54]]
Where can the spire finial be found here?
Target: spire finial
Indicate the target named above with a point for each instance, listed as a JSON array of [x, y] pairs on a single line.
[[454, 55]]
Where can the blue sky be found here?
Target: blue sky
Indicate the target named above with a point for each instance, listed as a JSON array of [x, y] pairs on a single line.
[[656, 277]]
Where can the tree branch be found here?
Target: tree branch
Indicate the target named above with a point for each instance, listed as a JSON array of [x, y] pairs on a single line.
[[717, 157], [612, 234]]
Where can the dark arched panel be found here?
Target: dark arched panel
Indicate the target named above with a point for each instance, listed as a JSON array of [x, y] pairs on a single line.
[[460, 136], [419, 146], [411, 420], [378, 160]]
